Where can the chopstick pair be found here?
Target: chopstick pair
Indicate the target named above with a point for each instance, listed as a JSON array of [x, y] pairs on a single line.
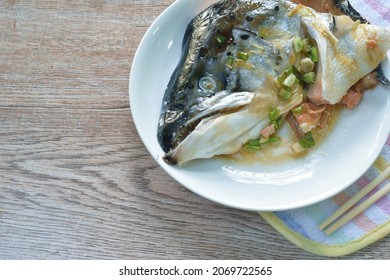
[[329, 225]]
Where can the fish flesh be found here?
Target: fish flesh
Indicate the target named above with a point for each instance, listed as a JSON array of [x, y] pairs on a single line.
[[226, 83]]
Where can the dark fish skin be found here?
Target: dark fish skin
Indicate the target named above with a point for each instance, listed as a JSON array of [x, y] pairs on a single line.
[[381, 76], [346, 8], [179, 102], [174, 106]]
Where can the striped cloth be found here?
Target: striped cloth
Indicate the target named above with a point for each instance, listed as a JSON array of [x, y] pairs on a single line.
[[375, 11], [301, 225]]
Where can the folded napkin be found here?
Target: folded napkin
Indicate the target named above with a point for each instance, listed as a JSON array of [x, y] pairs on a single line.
[[300, 226]]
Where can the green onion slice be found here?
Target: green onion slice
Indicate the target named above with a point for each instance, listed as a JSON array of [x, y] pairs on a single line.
[[256, 145], [308, 141], [290, 80], [275, 118], [273, 114], [309, 78], [243, 55], [220, 39], [314, 54], [273, 140], [254, 142], [285, 93], [298, 44], [230, 60], [306, 45], [299, 109]]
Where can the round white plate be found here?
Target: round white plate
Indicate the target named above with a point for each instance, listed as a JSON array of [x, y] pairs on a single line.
[[342, 158]]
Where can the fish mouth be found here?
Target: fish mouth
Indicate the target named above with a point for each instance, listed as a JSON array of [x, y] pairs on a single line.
[[239, 124], [170, 159]]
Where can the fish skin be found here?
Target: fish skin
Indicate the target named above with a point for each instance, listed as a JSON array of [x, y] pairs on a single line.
[[197, 123], [347, 9]]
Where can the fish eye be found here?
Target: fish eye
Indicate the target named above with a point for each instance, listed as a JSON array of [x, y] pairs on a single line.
[[207, 83]]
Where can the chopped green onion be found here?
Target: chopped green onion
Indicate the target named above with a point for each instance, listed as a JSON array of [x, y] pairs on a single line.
[[285, 93], [278, 122], [281, 78], [254, 142], [256, 145], [299, 110], [243, 55], [297, 149], [230, 60], [298, 44], [314, 54], [306, 65], [275, 118], [306, 45], [308, 141], [290, 80], [289, 71], [252, 148], [309, 78], [272, 140], [273, 114], [356, 24], [220, 39]]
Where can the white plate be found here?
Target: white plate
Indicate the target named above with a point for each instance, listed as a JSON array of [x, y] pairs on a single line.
[[341, 159]]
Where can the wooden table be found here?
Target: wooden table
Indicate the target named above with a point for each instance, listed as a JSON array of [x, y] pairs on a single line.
[[76, 182]]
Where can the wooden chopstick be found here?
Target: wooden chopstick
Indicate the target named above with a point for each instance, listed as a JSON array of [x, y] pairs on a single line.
[[353, 200], [360, 208]]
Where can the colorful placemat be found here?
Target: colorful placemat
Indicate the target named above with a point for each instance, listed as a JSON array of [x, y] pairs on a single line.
[[375, 11], [301, 226]]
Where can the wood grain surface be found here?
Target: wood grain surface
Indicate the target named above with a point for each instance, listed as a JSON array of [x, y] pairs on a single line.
[[76, 182]]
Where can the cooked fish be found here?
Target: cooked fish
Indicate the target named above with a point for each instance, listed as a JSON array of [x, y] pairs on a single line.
[[224, 87], [347, 54], [356, 44]]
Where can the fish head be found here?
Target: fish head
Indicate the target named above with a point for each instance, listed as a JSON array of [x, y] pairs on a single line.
[[216, 74]]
